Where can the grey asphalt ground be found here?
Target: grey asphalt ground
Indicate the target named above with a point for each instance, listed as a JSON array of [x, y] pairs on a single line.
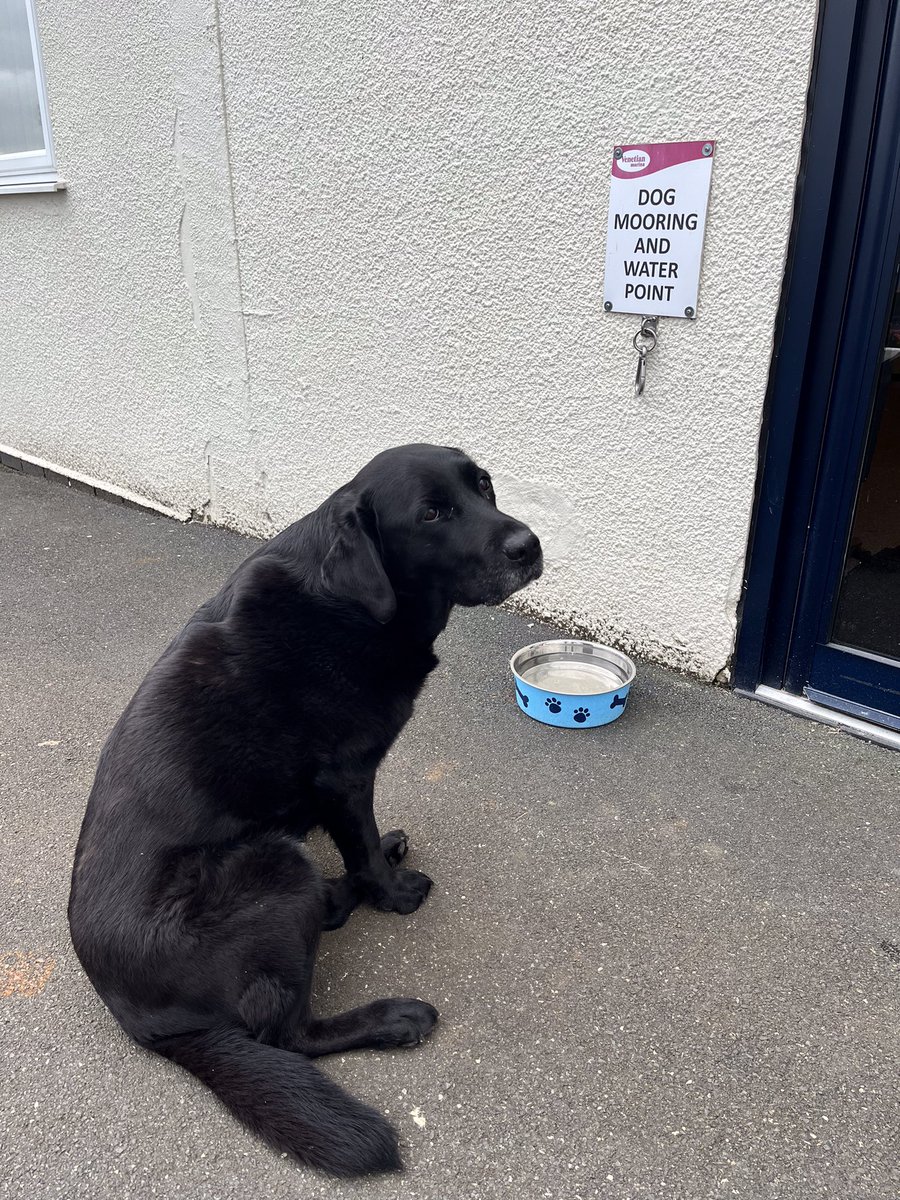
[[666, 953]]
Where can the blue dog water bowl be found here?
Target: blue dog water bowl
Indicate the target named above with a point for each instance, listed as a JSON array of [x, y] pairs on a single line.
[[573, 685]]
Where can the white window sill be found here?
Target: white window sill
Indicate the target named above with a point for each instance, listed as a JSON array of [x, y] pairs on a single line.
[[45, 181]]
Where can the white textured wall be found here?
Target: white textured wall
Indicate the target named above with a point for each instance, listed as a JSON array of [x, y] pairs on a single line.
[[419, 199], [121, 348]]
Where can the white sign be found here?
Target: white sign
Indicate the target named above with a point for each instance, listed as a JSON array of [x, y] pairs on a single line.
[[657, 215]]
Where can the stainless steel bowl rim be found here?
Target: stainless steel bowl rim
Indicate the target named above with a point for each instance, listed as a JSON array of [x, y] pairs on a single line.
[[567, 648]]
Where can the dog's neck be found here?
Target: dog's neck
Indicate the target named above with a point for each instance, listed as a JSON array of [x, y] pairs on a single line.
[[422, 616]]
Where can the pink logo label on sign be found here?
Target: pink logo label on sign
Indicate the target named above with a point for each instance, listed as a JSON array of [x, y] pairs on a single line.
[[634, 160], [637, 160]]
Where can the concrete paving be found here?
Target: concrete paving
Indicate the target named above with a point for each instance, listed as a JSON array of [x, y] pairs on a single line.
[[666, 953]]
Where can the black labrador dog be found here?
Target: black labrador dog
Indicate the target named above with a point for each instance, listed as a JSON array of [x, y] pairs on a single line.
[[193, 910]]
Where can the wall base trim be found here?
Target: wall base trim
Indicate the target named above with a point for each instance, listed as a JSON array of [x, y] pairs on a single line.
[[30, 464]]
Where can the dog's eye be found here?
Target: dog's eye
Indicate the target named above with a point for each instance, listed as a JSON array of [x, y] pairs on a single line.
[[484, 485], [431, 514]]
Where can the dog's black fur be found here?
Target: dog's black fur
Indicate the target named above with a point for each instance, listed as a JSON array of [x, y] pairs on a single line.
[[193, 909]]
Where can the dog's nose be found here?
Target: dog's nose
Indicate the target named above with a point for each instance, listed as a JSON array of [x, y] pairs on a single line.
[[522, 546]]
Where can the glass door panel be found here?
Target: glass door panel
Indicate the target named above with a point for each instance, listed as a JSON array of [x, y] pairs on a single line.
[[867, 614]]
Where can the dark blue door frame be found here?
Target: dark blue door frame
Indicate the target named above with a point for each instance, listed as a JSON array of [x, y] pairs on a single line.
[[828, 345]]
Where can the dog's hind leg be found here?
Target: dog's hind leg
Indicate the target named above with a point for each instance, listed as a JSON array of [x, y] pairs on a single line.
[[381, 1024], [394, 845], [340, 897], [277, 1011]]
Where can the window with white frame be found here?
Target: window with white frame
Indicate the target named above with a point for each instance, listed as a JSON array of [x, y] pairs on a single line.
[[26, 147]]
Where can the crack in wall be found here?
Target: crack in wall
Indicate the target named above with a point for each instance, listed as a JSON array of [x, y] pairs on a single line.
[[251, 431], [185, 236]]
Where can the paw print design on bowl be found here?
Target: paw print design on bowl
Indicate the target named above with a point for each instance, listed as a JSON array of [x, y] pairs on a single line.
[[553, 704], [581, 715]]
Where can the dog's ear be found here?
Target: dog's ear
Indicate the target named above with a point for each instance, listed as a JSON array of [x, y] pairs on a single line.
[[353, 569]]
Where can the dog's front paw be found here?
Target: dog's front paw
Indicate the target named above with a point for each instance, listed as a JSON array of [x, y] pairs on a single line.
[[404, 893]]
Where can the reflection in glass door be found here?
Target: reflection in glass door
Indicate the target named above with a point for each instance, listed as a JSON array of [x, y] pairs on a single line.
[[867, 614]]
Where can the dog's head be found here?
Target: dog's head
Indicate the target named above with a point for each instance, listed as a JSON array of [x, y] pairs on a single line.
[[423, 521]]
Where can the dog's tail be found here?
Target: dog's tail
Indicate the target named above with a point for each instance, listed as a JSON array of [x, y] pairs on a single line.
[[283, 1098]]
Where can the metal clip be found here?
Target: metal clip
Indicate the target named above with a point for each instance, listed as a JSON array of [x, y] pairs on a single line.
[[643, 341], [640, 375]]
